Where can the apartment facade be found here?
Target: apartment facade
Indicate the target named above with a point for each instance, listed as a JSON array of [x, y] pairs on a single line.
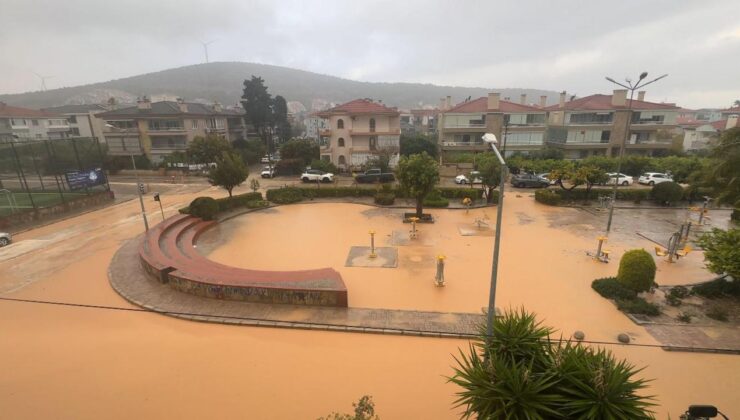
[[358, 131], [518, 127], [81, 119], [157, 129], [18, 123], [314, 124], [597, 124]]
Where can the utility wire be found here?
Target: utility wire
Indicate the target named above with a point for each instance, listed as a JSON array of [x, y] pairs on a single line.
[[308, 324]]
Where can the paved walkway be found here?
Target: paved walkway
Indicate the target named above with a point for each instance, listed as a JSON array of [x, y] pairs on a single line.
[[131, 281]]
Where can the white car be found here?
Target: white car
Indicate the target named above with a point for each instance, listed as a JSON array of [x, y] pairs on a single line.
[[622, 179], [314, 175], [267, 172], [266, 159], [652, 178], [462, 179], [546, 177], [5, 239]]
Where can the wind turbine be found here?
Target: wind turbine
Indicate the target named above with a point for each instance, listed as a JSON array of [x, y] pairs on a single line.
[[205, 47], [43, 80]]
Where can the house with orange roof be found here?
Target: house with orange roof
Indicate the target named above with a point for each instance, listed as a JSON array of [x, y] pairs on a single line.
[[18, 123], [597, 125], [358, 131], [520, 127]]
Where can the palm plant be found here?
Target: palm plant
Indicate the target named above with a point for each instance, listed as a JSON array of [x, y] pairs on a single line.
[[520, 373]]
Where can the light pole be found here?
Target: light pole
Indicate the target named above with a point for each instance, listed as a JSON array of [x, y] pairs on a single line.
[[136, 173], [491, 139], [632, 87]]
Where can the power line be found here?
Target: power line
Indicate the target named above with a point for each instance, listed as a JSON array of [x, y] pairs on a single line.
[[349, 327]]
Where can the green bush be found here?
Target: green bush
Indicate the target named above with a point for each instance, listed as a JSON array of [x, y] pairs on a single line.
[[290, 166], [679, 292], [717, 313], [204, 207], [461, 193], [257, 204], [637, 270], [385, 199], [610, 288], [435, 200], [548, 197], [684, 317], [324, 165], [667, 193], [638, 306], [718, 288], [241, 200], [673, 300], [286, 195]]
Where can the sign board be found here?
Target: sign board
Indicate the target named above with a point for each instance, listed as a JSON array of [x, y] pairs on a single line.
[[78, 180]]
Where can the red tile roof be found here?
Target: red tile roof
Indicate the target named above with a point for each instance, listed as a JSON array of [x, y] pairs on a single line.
[[601, 102], [719, 125], [481, 105], [359, 107], [18, 112]]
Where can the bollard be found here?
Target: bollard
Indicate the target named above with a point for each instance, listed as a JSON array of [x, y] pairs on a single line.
[[372, 245], [439, 278], [413, 232]]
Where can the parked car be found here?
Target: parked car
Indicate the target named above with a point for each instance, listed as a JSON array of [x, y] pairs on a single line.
[[529, 180], [462, 179], [268, 172], [546, 177], [5, 239], [374, 175], [267, 159], [622, 179], [313, 175], [652, 178]]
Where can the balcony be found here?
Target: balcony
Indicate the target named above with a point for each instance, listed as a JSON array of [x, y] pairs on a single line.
[[464, 145], [324, 132], [467, 125], [367, 132]]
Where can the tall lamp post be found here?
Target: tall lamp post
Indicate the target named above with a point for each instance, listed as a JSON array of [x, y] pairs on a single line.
[[632, 87], [491, 139], [138, 182]]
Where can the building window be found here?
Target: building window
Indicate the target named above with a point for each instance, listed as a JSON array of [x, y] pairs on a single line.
[[373, 142], [605, 136], [340, 142], [342, 160], [75, 131], [72, 119], [372, 125], [194, 124], [35, 122], [340, 123]]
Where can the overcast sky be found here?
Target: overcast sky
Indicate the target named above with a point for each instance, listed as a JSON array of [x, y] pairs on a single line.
[[548, 44]]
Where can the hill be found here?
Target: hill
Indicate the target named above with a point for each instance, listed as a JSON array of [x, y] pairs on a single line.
[[223, 82]]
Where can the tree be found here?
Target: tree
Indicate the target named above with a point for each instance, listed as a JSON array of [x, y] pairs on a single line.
[[300, 149], [722, 251], [490, 172], [591, 175], [208, 149], [250, 150], [724, 176], [230, 172], [413, 145], [267, 115], [667, 193], [280, 117], [736, 103], [637, 270], [519, 372], [417, 175]]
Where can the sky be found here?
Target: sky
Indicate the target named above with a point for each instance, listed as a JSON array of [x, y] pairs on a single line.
[[550, 44]]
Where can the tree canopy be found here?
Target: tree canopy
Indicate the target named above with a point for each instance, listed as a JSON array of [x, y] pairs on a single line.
[[299, 149], [230, 172], [490, 171], [722, 251], [417, 175], [208, 149], [413, 145], [267, 115]]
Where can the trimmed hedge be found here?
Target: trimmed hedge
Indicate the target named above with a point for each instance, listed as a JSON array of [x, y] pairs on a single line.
[[236, 201], [286, 195], [549, 197], [200, 207], [667, 193], [637, 270], [610, 288], [718, 288], [436, 200], [204, 207], [638, 306], [330, 191], [385, 198]]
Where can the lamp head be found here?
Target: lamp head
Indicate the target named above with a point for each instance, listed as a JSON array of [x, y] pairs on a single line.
[[643, 75], [490, 138]]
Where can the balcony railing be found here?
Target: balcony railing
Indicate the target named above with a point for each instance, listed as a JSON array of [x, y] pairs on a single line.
[[367, 132], [462, 143], [166, 129], [468, 125]]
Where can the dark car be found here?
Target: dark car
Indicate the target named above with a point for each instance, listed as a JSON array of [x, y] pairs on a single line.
[[374, 175], [529, 180]]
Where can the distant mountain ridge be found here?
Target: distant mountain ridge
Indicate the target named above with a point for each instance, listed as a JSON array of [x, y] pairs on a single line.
[[222, 81]]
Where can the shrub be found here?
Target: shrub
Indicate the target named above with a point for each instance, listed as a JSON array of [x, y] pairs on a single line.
[[718, 288], [638, 306], [290, 167], [684, 317], [673, 300], [241, 200], [204, 207], [637, 270], [435, 199], [679, 292], [460, 193], [610, 288], [385, 199], [667, 193], [286, 195], [257, 204], [324, 165], [548, 197], [717, 313]]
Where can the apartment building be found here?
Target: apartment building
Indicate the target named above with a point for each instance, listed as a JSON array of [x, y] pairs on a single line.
[[357, 131], [31, 124], [157, 129], [314, 124], [518, 126], [81, 119], [596, 125]]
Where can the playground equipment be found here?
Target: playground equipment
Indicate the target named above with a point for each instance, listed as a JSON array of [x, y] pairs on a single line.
[[605, 202], [481, 223], [372, 245], [467, 202], [673, 251], [439, 278], [601, 254], [413, 233]]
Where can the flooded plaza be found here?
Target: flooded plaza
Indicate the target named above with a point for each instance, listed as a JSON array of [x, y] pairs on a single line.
[[73, 362]]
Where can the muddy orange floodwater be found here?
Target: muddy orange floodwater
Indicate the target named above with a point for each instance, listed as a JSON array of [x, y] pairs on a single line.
[[65, 362]]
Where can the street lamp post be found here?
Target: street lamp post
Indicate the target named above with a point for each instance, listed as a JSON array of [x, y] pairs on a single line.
[[491, 139], [632, 87], [136, 173]]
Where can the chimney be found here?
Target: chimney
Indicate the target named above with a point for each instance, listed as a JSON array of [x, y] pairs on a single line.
[[182, 105], [562, 99], [493, 101], [523, 99], [143, 103], [217, 106], [442, 104], [448, 102], [619, 98], [543, 101], [732, 122], [641, 95]]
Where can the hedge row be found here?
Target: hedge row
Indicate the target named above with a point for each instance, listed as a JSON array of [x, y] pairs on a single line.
[[204, 207], [328, 191], [555, 195]]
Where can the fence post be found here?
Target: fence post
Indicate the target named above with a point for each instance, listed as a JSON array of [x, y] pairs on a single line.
[[21, 175]]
